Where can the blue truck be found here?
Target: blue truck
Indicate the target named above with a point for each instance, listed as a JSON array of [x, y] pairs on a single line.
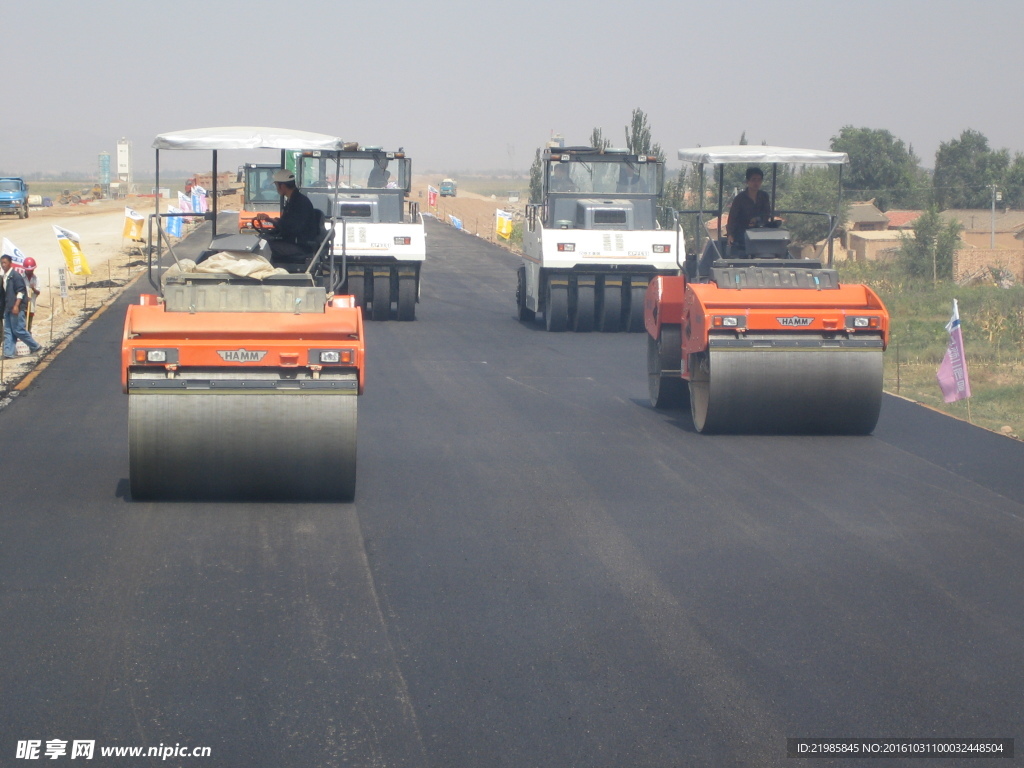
[[14, 196]]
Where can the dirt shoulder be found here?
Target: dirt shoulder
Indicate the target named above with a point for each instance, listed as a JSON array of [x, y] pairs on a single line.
[[114, 262]]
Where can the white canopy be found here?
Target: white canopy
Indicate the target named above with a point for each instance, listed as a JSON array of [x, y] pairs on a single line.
[[246, 137], [749, 153]]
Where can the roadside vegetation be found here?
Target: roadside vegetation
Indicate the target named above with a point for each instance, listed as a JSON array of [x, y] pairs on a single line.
[[992, 320]]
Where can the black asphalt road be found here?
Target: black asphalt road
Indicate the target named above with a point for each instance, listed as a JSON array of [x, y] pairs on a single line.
[[538, 570]]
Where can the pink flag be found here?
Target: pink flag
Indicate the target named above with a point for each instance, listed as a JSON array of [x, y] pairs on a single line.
[[952, 374], [431, 196]]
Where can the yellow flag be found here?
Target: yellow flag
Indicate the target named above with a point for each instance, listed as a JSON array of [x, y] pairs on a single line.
[[132, 224], [71, 247], [504, 224]]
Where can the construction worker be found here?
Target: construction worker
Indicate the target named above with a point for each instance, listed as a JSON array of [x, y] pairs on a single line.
[[15, 302], [32, 284], [750, 208], [295, 234]]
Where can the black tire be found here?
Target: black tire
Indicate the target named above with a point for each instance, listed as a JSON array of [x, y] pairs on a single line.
[[556, 308], [357, 287], [664, 381], [381, 297], [635, 311], [407, 298], [609, 311], [522, 313], [583, 313]]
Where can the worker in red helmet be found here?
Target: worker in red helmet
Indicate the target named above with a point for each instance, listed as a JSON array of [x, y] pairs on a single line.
[[32, 283]]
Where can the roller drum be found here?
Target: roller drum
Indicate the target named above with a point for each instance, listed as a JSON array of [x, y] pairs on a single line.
[[786, 391], [219, 446]]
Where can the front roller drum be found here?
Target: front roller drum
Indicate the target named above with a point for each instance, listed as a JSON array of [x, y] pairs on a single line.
[[213, 446], [786, 391]]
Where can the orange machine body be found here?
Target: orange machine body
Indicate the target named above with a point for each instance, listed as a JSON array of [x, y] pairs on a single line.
[[703, 310], [243, 340]]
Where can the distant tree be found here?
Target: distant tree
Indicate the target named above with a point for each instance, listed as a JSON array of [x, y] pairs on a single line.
[[882, 167], [598, 141], [674, 198], [964, 169], [929, 253], [1013, 183], [638, 137], [537, 179], [813, 189]]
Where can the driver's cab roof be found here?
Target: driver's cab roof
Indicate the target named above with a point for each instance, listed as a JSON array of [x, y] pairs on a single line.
[[748, 153], [590, 154], [246, 137]]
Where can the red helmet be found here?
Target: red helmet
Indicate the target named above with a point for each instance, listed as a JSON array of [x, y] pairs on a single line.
[[29, 264]]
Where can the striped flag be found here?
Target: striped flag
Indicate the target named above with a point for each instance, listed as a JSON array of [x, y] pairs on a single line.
[[132, 224], [173, 226], [952, 373], [17, 257], [71, 246], [503, 225], [431, 196]]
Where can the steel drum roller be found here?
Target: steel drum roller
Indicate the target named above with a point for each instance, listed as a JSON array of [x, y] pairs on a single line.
[[242, 446], [810, 390]]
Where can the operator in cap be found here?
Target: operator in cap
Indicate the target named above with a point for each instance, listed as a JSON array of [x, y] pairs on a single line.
[[750, 208], [295, 234]]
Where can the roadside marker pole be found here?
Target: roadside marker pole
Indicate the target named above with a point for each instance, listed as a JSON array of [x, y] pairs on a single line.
[[53, 304]]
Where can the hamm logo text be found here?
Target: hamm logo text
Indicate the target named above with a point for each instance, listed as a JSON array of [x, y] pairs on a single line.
[[241, 355]]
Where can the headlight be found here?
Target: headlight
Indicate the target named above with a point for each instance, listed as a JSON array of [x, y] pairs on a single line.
[[567, 246], [729, 321], [862, 322], [156, 356], [332, 356]]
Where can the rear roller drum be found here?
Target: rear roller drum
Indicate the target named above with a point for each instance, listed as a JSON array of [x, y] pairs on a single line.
[[556, 308], [204, 446], [635, 314], [664, 383], [583, 316], [407, 298], [381, 297], [610, 311]]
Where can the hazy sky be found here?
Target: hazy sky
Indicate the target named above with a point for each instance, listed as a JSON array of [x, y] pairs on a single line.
[[478, 85]]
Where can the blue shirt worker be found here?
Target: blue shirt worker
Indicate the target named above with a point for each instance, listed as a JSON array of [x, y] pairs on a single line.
[[15, 305]]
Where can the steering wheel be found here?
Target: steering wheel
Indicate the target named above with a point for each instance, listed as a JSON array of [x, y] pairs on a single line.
[[262, 224]]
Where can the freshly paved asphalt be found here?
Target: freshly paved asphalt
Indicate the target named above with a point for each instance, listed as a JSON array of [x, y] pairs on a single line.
[[538, 570]]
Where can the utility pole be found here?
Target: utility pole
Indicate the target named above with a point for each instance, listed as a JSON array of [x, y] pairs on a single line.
[[995, 196]]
